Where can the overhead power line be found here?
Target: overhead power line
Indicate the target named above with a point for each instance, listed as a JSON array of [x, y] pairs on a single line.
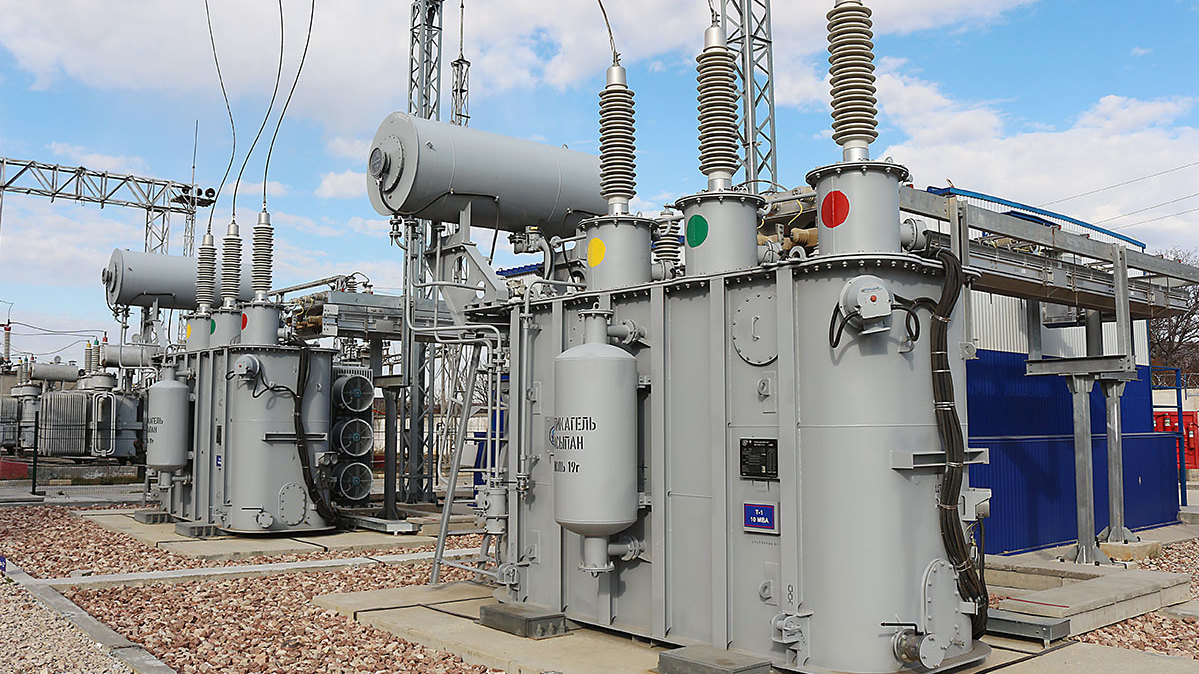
[[1147, 208], [1119, 184]]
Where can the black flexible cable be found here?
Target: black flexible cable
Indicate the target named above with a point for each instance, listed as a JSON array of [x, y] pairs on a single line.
[[266, 169], [837, 328], [949, 430], [228, 109], [265, 118]]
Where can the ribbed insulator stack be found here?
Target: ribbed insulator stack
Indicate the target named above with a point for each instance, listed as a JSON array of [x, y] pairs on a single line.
[[617, 143], [206, 273], [230, 266], [351, 284], [262, 256], [668, 247], [89, 358], [718, 139], [851, 67], [8, 344]]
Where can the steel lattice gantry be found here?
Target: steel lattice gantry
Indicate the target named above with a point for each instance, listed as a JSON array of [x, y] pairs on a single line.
[[747, 23], [424, 77], [159, 198]]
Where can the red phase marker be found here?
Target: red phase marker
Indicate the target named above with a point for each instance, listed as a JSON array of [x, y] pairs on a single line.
[[245, 320], [834, 211]]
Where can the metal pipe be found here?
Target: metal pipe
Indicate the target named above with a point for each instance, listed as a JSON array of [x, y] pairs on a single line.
[[459, 439], [1116, 532], [1086, 552]]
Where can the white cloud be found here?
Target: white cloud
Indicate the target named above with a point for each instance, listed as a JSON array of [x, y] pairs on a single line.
[[64, 244], [1116, 139], [349, 148], [344, 185], [274, 188], [1141, 51], [82, 156], [358, 59]]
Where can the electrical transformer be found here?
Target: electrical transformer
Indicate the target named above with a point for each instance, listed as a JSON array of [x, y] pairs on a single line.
[[755, 448]]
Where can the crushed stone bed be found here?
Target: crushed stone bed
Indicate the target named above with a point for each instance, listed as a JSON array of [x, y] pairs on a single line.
[[1155, 633], [53, 542], [35, 639], [267, 624]]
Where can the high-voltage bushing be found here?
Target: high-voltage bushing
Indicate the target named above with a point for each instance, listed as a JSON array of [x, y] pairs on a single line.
[[206, 273], [858, 199], [353, 480], [431, 170], [353, 393], [594, 441], [168, 426], [353, 437], [720, 224], [260, 324], [143, 279], [618, 244]]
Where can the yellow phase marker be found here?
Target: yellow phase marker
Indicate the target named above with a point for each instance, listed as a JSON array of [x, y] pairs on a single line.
[[595, 252]]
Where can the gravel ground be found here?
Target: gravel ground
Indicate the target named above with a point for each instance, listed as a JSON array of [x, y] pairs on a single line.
[[266, 624], [52, 542], [1155, 633], [34, 639]]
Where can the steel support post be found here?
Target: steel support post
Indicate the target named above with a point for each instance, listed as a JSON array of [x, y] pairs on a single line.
[[1116, 532], [1087, 551]]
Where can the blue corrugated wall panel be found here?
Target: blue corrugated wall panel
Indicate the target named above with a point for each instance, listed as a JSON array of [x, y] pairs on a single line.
[[1026, 423]]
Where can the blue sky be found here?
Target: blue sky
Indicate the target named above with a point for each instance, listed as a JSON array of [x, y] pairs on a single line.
[[1032, 99]]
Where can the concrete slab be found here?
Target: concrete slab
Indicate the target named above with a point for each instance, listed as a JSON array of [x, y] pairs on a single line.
[[364, 540], [1189, 514], [349, 604], [241, 571], [580, 652], [1078, 658], [708, 660], [123, 523], [1173, 533], [1127, 552], [1105, 600], [429, 526], [238, 548], [1186, 611]]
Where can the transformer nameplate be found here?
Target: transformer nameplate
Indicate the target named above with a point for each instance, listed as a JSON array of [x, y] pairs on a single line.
[[759, 458]]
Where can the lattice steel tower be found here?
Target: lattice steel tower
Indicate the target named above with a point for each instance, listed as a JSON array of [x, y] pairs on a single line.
[[747, 24], [424, 77]]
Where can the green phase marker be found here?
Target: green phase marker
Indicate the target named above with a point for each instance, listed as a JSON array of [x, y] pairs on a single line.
[[697, 230]]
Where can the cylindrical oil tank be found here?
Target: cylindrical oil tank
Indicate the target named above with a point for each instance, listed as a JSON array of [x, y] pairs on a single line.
[[720, 231], [594, 441], [268, 488], [858, 207], [54, 371], [260, 324], [353, 393], [140, 279], [167, 423], [128, 355], [198, 333], [434, 170], [353, 436], [226, 327], [618, 251], [867, 410]]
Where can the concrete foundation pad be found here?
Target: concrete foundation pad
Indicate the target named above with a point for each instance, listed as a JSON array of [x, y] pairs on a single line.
[[238, 548], [1127, 552], [365, 540], [708, 660], [124, 523], [430, 526], [349, 604], [1104, 600], [445, 617], [1189, 515], [1078, 658], [1185, 611], [151, 516]]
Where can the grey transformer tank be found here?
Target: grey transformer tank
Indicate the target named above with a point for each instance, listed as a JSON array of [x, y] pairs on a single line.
[[431, 170]]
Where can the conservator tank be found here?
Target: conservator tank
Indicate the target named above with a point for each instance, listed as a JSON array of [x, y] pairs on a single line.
[[594, 441]]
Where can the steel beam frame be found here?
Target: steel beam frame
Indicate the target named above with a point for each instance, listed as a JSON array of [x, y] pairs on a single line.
[[747, 24]]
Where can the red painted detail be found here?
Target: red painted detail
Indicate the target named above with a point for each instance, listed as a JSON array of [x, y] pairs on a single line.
[[13, 470], [874, 298], [834, 211], [1167, 422], [245, 320]]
